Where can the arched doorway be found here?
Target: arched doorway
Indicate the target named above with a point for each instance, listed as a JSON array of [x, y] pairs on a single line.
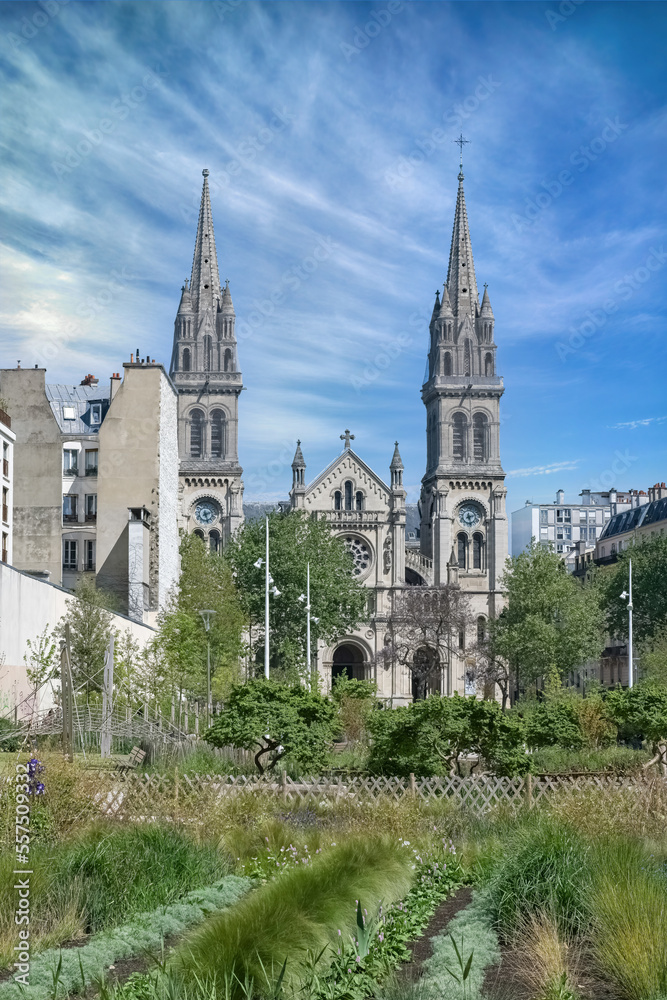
[[426, 674], [348, 661]]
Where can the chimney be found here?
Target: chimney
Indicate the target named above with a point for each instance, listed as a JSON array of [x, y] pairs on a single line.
[[115, 385], [89, 380], [560, 497], [585, 497]]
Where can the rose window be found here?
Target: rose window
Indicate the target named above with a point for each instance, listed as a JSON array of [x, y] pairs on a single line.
[[361, 554]]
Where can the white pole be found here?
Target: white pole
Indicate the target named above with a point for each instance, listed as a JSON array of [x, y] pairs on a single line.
[[308, 617], [107, 701], [266, 606], [630, 628]]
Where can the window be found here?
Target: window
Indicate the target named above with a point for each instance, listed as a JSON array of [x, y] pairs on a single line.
[[338, 500], [488, 365], [89, 554], [477, 547], [448, 363], [91, 463], [69, 413], [479, 435], [70, 462], [481, 629], [70, 507], [69, 554], [208, 352], [359, 500], [214, 541], [459, 432], [544, 517], [603, 552], [186, 359], [96, 413], [461, 553], [563, 515], [196, 433], [5, 504], [348, 495], [91, 506], [5, 545], [217, 434], [613, 548], [229, 366], [462, 640], [467, 362]]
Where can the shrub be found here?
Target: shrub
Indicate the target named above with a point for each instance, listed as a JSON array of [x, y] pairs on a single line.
[[545, 871], [615, 760], [553, 723]]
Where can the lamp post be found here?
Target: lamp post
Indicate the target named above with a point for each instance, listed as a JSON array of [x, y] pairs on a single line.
[[206, 616], [627, 595], [306, 597], [268, 580]]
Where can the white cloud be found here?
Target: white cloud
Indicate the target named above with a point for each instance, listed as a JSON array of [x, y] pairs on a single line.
[[545, 470]]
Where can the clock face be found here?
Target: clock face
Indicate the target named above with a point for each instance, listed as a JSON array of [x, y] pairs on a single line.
[[206, 512], [469, 515]]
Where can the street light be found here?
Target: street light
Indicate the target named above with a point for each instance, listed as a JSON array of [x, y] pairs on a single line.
[[627, 596], [206, 616], [269, 587], [306, 597]]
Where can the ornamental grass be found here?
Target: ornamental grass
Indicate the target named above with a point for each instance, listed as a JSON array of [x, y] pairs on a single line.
[[290, 925]]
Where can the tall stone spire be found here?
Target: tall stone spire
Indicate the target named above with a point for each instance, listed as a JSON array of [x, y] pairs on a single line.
[[205, 281], [461, 280]]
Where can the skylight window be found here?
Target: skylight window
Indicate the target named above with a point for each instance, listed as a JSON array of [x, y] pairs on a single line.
[[69, 413]]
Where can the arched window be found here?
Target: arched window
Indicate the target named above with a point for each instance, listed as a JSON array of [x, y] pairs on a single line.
[[488, 365], [467, 360], [479, 437], [481, 629], [359, 500], [348, 661], [462, 550], [199, 534], [448, 363], [208, 351], [338, 500], [217, 434], [477, 551], [196, 433], [613, 548], [348, 495], [186, 359], [214, 541], [460, 430], [228, 361], [603, 552]]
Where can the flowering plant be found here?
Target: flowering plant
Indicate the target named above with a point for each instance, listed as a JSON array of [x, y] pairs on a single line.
[[35, 768]]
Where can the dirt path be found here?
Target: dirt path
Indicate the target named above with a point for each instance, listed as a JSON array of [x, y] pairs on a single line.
[[422, 948]]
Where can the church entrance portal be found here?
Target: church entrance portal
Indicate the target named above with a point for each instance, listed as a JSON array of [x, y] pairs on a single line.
[[348, 661]]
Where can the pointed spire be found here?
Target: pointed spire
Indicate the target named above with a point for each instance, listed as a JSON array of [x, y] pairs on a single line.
[[453, 561], [486, 309], [461, 281], [446, 307], [298, 461], [227, 304], [185, 305], [396, 462], [436, 305], [205, 280]]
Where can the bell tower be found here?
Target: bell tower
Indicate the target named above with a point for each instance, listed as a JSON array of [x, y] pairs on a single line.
[[463, 519], [205, 371]]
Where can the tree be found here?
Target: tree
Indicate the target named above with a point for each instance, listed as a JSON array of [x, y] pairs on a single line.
[[424, 628], [41, 660], [550, 625], [338, 600], [127, 657], [641, 713], [649, 590], [90, 628], [354, 701], [431, 735], [205, 584], [653, 663], [276, 720]]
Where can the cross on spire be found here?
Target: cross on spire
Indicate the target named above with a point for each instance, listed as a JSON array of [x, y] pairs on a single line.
[[347, 437], [461, 142]]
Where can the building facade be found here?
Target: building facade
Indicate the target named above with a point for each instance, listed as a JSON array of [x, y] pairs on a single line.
[[205, 371], [7, 442]]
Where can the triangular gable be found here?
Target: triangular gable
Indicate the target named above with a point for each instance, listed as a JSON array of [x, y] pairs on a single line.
[[340, 469]]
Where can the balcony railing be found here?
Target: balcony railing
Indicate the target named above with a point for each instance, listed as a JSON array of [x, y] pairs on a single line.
[[91, 517], [91, 470], [70, 518], [71, 472], [350, 516]]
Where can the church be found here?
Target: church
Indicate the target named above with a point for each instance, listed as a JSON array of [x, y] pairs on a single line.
[[463, 536]]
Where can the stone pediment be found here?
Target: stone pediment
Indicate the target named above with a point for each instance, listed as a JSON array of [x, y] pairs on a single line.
[[347, 466]]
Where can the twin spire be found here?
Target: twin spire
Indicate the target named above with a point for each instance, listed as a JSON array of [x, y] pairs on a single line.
[[461, 281], [205, 287]]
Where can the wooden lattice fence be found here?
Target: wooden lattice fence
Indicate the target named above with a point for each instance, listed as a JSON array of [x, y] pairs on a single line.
[[151, 796]]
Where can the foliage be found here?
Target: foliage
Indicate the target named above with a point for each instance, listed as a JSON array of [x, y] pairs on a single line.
[[295, 917], [430, 736], [354, 701], [553, 723], [337, 599], [90, 629], [641, 712], [653, 662], [423, 628], [41, 659], [275, 719], [613, 759], [545, 870], [469, 937], [550, 624], [649, 590], [205, 583]]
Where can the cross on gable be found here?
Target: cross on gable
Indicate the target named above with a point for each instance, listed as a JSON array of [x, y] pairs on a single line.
[[347, 437]]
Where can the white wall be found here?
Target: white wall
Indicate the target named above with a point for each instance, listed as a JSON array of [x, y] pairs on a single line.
[[27, 607]]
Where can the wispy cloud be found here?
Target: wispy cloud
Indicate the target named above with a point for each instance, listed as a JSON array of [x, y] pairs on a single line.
[[633, 424], [546, 470]]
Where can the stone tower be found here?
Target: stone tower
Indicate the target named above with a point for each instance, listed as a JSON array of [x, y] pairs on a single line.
[[463, 519], [205, 371]]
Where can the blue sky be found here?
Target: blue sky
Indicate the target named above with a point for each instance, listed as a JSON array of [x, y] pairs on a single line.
[[331, 125]]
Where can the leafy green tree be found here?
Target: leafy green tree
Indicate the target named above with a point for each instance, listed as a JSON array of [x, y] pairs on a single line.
[[430, 736], [653, 661], [90, 628], [354, 701], [552, 723], [641, 713], [205, 584], [550, 624], [275, 720], [41, 659], [649, 590], [337, 599]]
